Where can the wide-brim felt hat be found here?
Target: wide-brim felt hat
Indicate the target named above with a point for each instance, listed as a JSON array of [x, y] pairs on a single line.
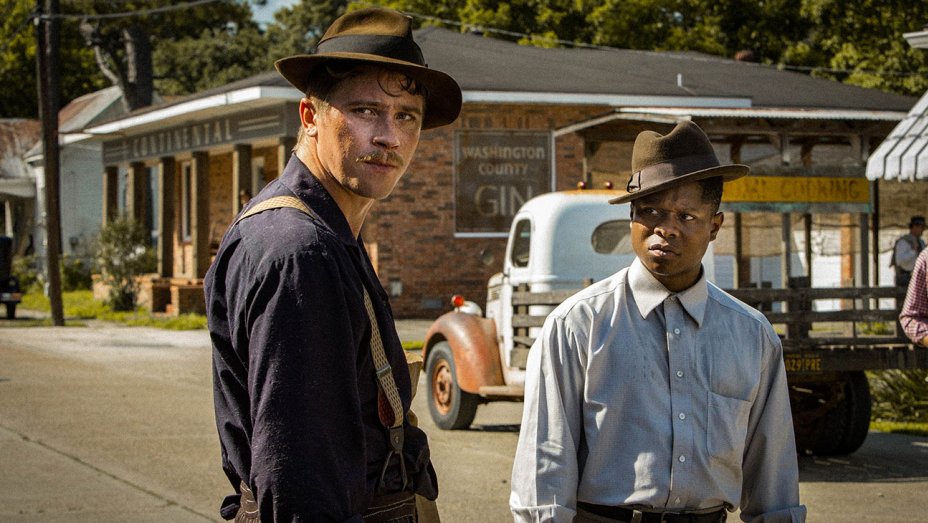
[[380, 37], [683, 155]]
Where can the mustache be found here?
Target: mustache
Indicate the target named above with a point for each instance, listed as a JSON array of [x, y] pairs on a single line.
[[383, 157]]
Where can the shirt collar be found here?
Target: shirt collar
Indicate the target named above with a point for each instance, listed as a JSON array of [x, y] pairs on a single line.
[[298, 178], [649, 293]]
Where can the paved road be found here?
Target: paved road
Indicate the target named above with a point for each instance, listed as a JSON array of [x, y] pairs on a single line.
[[114, 424]]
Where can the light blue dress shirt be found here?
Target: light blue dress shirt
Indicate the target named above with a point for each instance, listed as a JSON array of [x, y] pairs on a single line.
[[637, 396]]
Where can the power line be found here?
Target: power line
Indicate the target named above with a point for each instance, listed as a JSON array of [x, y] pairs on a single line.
[[129, 14]]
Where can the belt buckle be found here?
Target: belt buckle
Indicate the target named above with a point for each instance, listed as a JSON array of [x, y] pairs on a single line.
[[666, 513]]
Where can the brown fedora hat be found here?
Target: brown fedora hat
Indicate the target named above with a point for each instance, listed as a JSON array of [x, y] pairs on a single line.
[[683, 155], [382, 37]]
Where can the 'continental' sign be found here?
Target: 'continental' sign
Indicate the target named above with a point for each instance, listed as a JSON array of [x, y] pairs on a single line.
[[202, 135], [797, 189], [495, 173]]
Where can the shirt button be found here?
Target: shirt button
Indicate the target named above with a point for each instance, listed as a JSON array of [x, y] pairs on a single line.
[[676, 331], [679, 373], [682, 459], [682, 416]]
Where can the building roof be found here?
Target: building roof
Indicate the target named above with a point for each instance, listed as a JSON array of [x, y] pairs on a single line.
[[16, 135], [80, 113], [497, 71], [481, 64]]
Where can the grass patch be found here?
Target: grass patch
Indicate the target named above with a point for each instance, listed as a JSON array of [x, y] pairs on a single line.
[[413, 345], [81, 305], [914, 428]]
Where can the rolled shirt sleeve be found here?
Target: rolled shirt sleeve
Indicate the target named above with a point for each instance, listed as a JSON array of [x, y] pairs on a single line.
[[545, 472], [914, 315], [770, 493]]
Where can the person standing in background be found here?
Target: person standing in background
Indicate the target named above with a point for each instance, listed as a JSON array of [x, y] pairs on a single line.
[[906, 250]]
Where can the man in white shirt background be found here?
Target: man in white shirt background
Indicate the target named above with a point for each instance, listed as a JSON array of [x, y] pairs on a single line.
[[906, 250], [654, 396]]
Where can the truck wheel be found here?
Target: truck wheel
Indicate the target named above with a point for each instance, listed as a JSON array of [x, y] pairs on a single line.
[[843, 429], [10, 311], [451, 407]]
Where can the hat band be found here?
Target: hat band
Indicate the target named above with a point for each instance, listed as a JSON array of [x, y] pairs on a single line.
[[395, 47], [660, 173]]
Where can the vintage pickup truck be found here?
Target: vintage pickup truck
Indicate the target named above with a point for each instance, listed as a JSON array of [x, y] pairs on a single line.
[[10, 293], [560, 242]]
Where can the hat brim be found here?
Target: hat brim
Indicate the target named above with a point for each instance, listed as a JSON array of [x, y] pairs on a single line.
[[726, 172], [443, 95]]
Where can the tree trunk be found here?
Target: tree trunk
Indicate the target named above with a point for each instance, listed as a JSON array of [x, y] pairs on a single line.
[[139, 75]]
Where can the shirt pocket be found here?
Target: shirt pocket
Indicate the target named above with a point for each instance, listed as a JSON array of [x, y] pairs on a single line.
[[727, 430]]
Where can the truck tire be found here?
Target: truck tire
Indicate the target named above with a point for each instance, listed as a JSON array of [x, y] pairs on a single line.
[[11, 311], [451, 407], [844, 428]]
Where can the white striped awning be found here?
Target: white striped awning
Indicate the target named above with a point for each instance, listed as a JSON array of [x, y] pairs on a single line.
[[903, 155]]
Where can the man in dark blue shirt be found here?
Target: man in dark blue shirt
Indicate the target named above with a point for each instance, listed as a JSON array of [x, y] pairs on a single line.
[[295, 385]]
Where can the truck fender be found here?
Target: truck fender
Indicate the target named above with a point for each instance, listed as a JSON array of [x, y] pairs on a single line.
[[474, 347]]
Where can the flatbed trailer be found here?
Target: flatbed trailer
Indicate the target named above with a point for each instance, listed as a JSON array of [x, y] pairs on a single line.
[[826, 353]]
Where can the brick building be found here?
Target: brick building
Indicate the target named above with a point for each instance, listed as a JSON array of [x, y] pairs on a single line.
[[534, 120]]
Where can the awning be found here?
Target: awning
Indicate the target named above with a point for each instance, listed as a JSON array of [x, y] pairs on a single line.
[[903, 155], [17, 187]]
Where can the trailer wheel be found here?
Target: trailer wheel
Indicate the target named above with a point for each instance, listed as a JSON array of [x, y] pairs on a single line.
[[843, 428], [11, 311], [451, 408]]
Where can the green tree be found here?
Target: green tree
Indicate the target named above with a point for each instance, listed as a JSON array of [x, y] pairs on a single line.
[[297, 28], [125, 46], [216, 57], [19, 99], [865, 38]]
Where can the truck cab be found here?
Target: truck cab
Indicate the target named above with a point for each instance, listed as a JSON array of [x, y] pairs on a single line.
[[558, 242]]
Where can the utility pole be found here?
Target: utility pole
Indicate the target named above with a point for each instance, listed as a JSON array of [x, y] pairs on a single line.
[[49, 83]]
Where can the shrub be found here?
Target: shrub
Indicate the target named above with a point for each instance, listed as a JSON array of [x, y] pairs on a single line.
[[25, 270], [899, 395], [75, 273], [123, 253]]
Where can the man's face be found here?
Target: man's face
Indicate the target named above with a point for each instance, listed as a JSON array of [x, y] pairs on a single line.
[[671, 231], [366, 133], [918, 229]]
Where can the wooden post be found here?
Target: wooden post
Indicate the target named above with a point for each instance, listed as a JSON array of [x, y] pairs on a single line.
[[110, 193], [589, 151], [284, 149], [241, 175], [137, 194], [165, 201], [199, 214], [49, 95]]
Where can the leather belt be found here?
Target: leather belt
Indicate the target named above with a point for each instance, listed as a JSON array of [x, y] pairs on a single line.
[[638, 516]]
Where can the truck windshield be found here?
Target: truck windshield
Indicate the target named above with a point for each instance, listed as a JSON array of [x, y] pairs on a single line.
[[612, 238]]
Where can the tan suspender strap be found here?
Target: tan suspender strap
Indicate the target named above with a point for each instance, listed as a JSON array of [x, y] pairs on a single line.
[[276, 202], [381, 363]]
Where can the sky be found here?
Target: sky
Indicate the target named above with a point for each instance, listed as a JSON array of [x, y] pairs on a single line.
[[265, 14]]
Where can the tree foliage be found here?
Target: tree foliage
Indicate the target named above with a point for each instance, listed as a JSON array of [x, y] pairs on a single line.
[[19, 98], [863, 37], [182, 51], [128, 48], [297, 28]]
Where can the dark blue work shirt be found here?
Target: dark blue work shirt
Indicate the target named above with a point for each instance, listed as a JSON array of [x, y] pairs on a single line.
[[294, 383]]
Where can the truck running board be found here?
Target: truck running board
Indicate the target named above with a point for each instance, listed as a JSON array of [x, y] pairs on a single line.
[[502, 391]]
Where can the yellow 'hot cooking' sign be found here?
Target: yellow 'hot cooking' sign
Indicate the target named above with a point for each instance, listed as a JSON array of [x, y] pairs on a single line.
[[797, 189]]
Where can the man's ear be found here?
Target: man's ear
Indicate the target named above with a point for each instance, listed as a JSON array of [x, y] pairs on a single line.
[[308, 114], [717, 221]]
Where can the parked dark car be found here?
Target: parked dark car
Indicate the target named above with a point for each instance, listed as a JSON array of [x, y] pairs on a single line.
[[10, 293]]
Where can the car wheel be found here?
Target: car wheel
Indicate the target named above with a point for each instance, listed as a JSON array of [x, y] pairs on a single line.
[[451, 408]]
